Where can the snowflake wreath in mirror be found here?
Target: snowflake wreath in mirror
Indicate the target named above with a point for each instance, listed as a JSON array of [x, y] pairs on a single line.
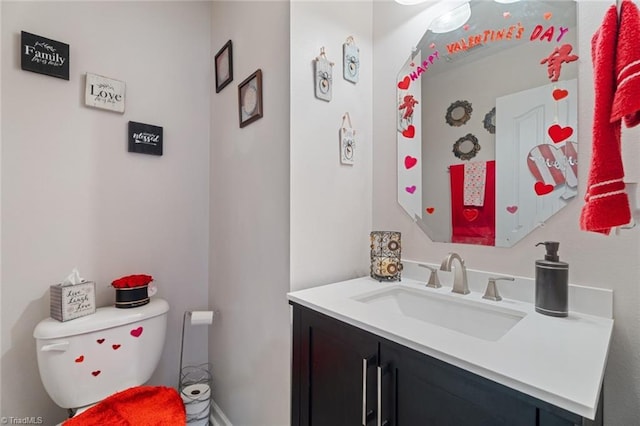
[[458, 113], [490, 121]]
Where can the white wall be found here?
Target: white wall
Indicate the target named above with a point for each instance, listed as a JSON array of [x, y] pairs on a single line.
[[595, 260], [249, 235], [72, 196], [330, 203]]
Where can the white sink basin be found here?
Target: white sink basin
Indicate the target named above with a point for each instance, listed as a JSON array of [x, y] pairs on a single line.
[[445, 310]]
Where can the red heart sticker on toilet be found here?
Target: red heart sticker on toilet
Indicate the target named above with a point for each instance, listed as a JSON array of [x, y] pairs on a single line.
[[542, 189], [136, 332], [404, 84], [100, 341], [470, 214], [410, 161], [512, 209], [558, 133], [560, 94], [430, 210], [95, 373], [80, 358], [410, 132], [115, 347]]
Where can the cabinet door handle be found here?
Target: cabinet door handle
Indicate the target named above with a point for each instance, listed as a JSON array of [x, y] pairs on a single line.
[[366, 415], [382, 369], [365, 363]]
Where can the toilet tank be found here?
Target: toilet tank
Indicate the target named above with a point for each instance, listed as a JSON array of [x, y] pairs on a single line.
[[84, 360]]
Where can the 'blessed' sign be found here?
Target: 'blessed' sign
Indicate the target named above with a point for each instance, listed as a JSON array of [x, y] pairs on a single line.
[[145, 138]]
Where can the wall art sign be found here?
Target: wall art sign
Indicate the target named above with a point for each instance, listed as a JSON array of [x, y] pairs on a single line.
[[44, 56], [347, 140], [323, 77], [105, 93], [351, 60], [145, 138]]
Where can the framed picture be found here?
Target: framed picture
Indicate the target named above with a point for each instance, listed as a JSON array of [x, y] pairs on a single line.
[[250, 99], [224, 66], [105, 93], [145, 138]]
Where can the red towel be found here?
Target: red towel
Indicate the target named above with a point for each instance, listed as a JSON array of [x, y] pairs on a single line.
[[606, 202], [138, 406], [473, 224], [626, 101]]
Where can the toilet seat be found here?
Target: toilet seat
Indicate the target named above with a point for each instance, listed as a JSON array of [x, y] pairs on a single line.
[[78, 411]]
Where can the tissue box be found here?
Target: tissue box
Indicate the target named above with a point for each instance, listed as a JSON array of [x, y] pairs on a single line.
[[72, 300]]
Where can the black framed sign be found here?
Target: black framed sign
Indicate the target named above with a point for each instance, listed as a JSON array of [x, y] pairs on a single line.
[[145, 138], [44, 56]]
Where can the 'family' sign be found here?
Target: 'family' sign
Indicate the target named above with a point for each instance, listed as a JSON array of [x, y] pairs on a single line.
[[44, 56]]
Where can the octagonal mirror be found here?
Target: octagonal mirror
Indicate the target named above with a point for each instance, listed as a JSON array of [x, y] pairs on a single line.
[[487, 120]]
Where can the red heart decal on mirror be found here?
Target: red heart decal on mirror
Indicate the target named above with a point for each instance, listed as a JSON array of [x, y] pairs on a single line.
[[410, 161], [410, 132], [404, 84], [558, 133], [136, 332], [411, 189], [115, 347], [95, 373], [542, 189], [512, 209], [100, 341], [430, 210], [470, 214], [560, 94], [80, 358]]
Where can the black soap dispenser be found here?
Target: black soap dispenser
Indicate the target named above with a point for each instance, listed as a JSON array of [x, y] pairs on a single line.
[[552, 283]]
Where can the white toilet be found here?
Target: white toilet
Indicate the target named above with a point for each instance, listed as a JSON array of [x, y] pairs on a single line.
[[87, 359]]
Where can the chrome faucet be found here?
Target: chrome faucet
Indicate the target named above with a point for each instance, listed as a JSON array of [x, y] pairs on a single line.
[[460, 284]]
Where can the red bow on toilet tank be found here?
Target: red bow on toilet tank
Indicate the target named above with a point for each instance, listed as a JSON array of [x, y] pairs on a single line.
[[132, 281]]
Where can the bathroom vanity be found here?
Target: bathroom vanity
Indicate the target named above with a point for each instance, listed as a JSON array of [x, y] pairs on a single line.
[[372, 353]]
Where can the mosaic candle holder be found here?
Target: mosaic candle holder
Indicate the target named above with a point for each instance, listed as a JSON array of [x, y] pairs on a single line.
[[386, 263]]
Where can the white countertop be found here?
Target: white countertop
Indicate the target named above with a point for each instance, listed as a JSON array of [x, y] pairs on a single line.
[[557, 360]]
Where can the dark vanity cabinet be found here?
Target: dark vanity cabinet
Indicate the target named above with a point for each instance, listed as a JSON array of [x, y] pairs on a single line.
[[345, 376]]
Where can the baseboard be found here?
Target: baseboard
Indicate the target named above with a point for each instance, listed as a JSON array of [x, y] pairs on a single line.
[[217, 417]]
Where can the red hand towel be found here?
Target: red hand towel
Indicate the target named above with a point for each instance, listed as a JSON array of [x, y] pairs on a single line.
[[606, 202], [473, 224], [137, 406], [626, 101]]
